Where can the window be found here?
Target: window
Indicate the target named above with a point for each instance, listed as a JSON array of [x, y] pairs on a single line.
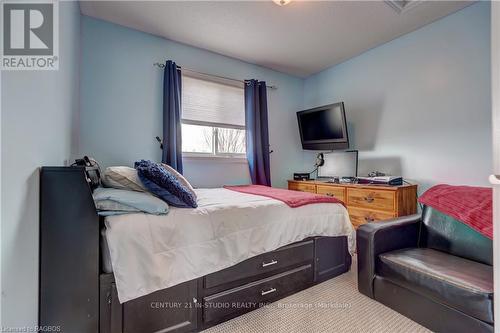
[[213, 118]]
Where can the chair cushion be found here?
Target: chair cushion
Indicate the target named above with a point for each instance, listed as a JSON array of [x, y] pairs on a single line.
[[457, 282], [446, 234]]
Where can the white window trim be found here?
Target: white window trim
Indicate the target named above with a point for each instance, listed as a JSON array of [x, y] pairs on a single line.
[[235, 158]]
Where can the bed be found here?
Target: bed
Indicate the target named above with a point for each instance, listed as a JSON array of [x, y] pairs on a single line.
[[184, 271]]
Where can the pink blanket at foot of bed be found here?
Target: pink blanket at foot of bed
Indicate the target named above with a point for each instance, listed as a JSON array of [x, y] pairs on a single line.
[[291, 198]]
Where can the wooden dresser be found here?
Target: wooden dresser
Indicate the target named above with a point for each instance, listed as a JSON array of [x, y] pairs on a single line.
[[366, 203]]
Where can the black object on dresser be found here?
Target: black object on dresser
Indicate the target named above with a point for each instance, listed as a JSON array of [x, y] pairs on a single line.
[[78, 296], [431, 268]]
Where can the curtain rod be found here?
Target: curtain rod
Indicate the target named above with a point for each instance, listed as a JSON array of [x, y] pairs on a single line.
[[159, 65]]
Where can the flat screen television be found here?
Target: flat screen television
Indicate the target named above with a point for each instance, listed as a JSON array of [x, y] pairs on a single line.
[[324, 127]]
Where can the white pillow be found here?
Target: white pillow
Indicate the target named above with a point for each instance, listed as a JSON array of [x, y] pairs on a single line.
[[123, 178]]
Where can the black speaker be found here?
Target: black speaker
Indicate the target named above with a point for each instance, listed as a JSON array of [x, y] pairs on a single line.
[[301, 176]]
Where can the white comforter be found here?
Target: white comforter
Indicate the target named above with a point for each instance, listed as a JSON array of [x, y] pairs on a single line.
[[150, 252]]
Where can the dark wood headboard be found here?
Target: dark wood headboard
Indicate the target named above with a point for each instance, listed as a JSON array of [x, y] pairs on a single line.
[[69, 251]]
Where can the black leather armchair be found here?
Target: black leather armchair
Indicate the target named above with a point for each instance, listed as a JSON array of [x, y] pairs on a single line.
[[430, 268]]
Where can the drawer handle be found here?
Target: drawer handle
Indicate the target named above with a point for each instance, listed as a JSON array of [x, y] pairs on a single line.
[[368, 199], [272, 262], [270, 291], [369, 219], [330, 194]]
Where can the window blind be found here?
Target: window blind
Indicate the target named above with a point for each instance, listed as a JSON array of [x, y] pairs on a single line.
[[212, 102]]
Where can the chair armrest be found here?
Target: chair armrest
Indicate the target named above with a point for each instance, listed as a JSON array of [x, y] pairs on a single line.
[[373, 239]]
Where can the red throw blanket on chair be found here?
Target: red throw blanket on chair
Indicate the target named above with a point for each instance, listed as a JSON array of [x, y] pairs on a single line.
[[291, 198], [467, 204]]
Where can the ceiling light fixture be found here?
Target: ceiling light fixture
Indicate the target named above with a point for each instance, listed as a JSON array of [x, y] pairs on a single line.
[[282, 2], [402, 6]]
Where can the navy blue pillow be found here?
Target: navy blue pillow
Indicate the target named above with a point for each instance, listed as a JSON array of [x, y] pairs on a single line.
[[161, 193], [165, 185]]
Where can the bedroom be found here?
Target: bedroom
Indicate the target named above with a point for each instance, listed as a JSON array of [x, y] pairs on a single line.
[[418, 98]]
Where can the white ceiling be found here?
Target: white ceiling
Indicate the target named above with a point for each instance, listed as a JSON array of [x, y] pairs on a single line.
[[301, 38]]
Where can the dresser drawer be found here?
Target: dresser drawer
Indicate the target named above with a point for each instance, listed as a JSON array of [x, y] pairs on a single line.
[[371, 199], [242, 299], [287, 256], [303, 187], [360, 216], [333, 191]]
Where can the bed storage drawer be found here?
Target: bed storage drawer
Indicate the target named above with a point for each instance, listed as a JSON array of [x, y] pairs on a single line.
[[287, 256], [171, 309], [174, 309], [233, 302]]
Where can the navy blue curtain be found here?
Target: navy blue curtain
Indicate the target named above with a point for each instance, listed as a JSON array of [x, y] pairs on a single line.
[[172, 139], [257, 132]]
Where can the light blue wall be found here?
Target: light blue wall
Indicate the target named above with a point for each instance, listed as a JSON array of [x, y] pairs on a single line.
[[121, 104], [38, 127], [420, 105], [417, 106]]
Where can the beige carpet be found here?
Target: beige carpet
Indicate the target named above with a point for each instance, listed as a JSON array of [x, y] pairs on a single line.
[[332, 306]]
